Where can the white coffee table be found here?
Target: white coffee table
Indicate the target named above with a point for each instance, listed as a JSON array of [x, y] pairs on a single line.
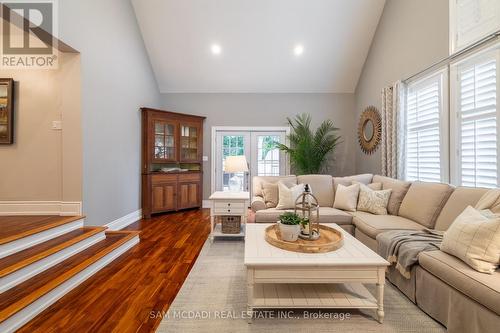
[[282, 279]]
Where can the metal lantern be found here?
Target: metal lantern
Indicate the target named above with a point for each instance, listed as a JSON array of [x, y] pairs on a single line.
[[307, 207]]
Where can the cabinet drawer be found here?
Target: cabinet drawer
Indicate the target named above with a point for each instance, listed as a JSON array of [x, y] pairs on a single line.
[[163, 178], [190, 177]]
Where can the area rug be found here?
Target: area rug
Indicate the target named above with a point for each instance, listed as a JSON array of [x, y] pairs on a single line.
[[213, 299]]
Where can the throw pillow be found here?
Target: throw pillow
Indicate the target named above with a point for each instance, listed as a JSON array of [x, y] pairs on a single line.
[[288, 195], [270, 194], [373, 186], [346, 197], [399, 189], [371, 201], [474, 237]]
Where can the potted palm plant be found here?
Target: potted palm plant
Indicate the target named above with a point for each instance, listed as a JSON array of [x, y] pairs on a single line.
[[289, 226], [309, 149]]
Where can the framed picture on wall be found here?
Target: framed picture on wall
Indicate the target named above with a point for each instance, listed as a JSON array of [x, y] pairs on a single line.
[[6, 111]]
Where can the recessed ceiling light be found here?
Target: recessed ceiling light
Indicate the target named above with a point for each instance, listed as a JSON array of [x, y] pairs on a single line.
[[216, 49], [298, 49]]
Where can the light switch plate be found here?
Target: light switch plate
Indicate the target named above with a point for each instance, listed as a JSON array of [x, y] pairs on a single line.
[[205, 158], [57, 125]]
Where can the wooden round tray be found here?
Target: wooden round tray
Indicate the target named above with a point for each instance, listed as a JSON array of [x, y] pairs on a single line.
[[330, 240]]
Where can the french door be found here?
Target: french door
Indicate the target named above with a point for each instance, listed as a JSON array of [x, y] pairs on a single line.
[[263, 158]]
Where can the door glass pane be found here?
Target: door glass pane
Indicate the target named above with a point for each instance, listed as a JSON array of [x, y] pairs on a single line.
[[268, 155], [164, 141], [232, 145], [189, 143], [170, 129], [169, 153], [159, 140], [169, 141], [159, 146], [159, 128], [159, 152]]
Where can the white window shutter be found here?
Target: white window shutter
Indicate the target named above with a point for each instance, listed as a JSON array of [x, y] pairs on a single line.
[[477, 121], [423, 134]]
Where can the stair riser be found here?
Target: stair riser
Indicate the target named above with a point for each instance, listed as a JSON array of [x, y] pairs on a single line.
[[19, 276], [32, 240], [22, 317]]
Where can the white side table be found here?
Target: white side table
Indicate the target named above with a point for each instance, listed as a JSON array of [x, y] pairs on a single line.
[[228, 204]]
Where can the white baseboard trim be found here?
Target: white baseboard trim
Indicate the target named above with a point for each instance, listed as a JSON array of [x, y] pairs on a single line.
[[125, 221], [62, 208], [206, 204]]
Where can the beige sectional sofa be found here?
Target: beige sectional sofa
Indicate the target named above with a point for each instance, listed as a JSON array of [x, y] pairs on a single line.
[[443, 286]]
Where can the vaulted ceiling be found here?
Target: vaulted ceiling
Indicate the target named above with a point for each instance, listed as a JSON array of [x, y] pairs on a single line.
[[257, 45]]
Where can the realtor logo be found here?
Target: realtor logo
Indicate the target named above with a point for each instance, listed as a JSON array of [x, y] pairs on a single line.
[[28, 34]]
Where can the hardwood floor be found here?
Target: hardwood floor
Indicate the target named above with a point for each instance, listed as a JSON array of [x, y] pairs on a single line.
[[26, 257], [16, 227], [121, 297]]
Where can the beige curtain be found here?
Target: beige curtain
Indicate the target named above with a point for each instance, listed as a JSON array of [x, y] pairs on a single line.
[[393, 131]]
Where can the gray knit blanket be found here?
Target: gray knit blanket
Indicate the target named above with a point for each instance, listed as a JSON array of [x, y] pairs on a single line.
[[401, 247]]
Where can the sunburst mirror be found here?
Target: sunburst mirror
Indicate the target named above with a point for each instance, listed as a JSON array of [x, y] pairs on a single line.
[[369, 130]]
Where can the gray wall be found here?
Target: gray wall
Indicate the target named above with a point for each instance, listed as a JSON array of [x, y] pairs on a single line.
[[116, 80], [411, 35], [269, 110]]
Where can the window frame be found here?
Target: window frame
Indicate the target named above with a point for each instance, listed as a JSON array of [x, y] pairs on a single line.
[[444, 136], [488, 53], [482, 27]]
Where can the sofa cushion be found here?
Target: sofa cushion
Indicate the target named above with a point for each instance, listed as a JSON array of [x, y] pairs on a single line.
[[365, 178], [257, 182], [326, 215], [483, 288], [321, 188], [372, 225], [399, 189], [423, 202], [458, 201]]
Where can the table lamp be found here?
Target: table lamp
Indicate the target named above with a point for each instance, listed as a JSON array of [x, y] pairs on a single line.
[[235, 164]]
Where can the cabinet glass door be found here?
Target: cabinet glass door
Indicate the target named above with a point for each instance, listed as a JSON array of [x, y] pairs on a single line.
[[164, 147], [190, 141]]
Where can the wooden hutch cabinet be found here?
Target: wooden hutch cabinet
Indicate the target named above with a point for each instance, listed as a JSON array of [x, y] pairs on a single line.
[[172, 166]]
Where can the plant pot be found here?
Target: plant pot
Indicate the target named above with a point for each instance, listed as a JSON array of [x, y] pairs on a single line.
[[289, 233], [305, 229]]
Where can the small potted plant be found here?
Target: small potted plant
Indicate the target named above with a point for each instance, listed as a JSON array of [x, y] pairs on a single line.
[[289, 226]]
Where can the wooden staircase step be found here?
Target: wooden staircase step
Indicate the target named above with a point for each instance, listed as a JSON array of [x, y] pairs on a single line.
[[16, 227], [15, 299], [26, 257]]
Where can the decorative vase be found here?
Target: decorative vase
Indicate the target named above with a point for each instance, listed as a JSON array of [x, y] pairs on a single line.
[[289, 233], [235, 184]]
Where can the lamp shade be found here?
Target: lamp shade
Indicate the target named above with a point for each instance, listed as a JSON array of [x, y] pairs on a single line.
[[234, 164]]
